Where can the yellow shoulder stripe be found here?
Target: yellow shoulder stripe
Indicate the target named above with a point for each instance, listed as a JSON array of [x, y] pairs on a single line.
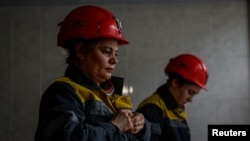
[[166, 113], [82, 92]]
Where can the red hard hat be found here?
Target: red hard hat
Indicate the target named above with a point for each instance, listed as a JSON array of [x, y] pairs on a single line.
[[90, 22], [190, 67]]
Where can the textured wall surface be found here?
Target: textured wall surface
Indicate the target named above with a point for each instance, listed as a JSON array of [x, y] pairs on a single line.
[[216, 31]]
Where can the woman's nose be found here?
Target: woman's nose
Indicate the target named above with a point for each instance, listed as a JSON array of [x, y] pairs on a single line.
[[114, 59], [190, 99]]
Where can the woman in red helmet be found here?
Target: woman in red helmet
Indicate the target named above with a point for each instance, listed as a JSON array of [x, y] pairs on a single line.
[[76, 107], [165, 108]]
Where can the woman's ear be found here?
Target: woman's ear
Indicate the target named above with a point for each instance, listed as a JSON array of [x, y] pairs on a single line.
[[175, 83], [79, 50]]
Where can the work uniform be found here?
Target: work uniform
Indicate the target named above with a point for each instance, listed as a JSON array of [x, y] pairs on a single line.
[[74, 108], [162, 110]]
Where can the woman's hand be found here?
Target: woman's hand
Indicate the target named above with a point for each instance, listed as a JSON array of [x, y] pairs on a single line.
[[138, 122], [122, 120]]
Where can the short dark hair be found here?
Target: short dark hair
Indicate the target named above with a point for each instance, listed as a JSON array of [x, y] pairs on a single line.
[[70, 47], [181, 80]]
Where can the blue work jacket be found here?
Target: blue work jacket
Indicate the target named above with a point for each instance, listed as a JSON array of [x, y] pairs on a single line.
[[162, 111], [74, 108]]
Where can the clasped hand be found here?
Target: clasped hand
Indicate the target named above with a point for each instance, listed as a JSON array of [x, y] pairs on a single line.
[[126, 120]]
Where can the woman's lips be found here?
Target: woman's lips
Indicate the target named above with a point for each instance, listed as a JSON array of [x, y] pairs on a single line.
[[110, 69]]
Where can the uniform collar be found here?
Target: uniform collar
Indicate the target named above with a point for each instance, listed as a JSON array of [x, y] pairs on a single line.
[[167, 97], [76, 75]]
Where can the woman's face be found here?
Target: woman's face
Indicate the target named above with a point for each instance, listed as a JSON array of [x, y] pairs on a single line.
[[100, 62], [185, 93]]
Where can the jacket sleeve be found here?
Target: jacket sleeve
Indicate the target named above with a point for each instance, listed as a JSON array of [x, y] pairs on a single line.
[[62, 118], [153, 115], [146, 133]]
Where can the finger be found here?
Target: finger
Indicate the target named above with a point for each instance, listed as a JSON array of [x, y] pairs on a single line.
[[136, 129]]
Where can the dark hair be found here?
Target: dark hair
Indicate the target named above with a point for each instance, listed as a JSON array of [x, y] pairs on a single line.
[[181, 81], [70, 47]]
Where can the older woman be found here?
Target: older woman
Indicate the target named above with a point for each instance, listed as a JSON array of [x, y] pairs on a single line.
[[75, 107]]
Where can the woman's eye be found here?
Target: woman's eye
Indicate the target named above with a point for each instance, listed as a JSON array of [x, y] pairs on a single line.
[[116, 54], [191, 92], [109, 53], [106, 52]]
